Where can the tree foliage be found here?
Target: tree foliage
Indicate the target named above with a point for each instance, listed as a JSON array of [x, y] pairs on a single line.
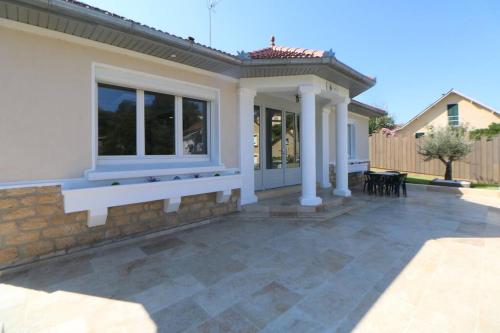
[[492, 130], [377, 123], [447, 144]]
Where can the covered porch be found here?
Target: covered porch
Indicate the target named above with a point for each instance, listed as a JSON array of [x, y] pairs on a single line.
[[310, 104]]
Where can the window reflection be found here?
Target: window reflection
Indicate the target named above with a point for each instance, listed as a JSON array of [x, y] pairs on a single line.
[[292, 141], [194, 126], [159, 121], [273, 139], [116, 120], [256, 137]]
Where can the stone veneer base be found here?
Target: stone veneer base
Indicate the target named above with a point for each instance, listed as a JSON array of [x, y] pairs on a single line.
[[94, 248], [33, 225], [354, 178]]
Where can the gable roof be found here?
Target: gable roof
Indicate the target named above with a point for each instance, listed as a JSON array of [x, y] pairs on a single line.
[[83, 21], [451, 91]]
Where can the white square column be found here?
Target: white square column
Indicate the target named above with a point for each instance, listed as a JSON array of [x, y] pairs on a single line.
[[246, 106], [325, 145], [342, 157], [308, 145]]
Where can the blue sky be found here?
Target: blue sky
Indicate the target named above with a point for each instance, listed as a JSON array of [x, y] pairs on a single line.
[[418, 50]]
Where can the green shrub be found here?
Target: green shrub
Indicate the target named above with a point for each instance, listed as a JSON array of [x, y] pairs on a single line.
[[492, 130]]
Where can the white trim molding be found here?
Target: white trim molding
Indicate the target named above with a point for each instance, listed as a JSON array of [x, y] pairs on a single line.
[[96, 200], [108, 74], [171, 205], [356, 165]]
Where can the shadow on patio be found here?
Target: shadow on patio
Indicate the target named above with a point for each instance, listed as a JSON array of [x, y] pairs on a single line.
[[425, 263]]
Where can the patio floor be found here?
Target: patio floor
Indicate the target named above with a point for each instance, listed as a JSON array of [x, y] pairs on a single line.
[[427, 263]]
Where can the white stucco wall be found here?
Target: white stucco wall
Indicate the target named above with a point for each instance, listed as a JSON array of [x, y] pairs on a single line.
[[45, 117], [361, 131]]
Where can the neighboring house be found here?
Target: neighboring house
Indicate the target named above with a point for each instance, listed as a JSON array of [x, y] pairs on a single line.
[[111, 128], [453, 108]]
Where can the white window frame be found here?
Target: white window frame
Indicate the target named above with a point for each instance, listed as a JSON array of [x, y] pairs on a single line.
[[141, 82], [457, 116], [351, 140]]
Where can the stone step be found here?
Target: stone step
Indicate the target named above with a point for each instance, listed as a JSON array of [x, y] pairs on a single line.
[[332, 207]]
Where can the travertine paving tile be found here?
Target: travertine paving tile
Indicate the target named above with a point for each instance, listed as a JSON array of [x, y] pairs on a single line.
[[268, 303], [426, 263], [179, 317]]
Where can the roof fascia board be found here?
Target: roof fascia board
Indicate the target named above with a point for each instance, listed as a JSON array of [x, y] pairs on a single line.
[[329, 62], [365, 109], [14, 25], [123, 25], [425, 110], [472, 100], [95, 17]]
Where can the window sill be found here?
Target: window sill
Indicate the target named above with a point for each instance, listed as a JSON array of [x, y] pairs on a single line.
[[109, 172], [356, 165]]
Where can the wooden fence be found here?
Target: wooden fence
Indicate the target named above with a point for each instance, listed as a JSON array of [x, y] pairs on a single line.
[[401, 153]]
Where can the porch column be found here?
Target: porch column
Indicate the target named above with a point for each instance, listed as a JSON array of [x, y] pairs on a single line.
[[246, 105], [325, 145], [308, 141], [341, 159]]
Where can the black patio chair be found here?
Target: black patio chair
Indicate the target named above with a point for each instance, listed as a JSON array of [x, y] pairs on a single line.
[[367, 185], [378, 184], [401, 184], [391, 183]]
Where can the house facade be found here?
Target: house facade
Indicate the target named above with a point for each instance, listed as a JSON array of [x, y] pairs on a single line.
[[453, 108], [111, 128]]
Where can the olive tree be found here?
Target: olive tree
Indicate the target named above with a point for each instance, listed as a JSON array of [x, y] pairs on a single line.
[[447, 144]]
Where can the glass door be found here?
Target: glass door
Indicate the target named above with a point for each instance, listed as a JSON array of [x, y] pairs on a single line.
[[274, 149], [281, 151], [257, 147], [292, 150]]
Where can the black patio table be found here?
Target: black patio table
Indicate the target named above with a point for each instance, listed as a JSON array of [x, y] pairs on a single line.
[[385, 183]]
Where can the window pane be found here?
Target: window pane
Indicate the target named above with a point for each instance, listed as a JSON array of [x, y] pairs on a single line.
[[297, 145], [453, 114], [351, 141], [159, 123], [256, 137], [194, 126], [273, 139], [292, 141], [116, 120]]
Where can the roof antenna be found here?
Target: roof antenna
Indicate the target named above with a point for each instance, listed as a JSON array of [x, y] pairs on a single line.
[[211, 8]]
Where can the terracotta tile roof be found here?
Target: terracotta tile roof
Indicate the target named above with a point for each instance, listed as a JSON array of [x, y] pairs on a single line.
[[284, 52]]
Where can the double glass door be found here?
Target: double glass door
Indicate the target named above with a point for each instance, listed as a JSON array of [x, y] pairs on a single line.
[[277, 141]]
